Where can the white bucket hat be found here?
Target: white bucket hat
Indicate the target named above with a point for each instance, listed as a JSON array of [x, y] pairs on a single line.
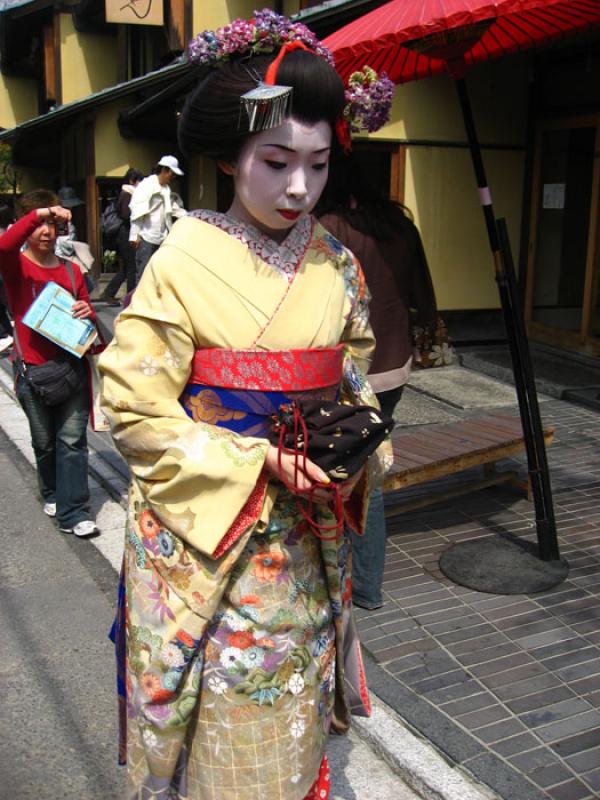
[[172, 163]]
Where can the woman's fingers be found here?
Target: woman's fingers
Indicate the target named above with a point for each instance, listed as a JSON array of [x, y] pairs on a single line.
[[58, 212], [81, 310], [303, 475], [316, 473]]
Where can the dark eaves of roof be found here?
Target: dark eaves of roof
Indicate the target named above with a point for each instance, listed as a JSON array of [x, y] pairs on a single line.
[[329, 8], [5, 5], [92, 100]]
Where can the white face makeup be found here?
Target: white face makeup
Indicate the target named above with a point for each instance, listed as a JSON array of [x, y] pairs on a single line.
[[279, 176]]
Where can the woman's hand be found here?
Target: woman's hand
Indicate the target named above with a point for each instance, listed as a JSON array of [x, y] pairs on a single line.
[[81, 310], [54, 214], [347, 487], [307, 476]]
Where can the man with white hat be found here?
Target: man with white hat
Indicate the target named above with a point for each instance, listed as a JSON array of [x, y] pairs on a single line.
[[153, 208]]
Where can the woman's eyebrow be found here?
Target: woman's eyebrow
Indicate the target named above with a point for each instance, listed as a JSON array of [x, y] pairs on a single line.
[[292, 150]]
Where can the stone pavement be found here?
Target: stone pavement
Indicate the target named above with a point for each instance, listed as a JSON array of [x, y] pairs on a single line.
[[506, 686]]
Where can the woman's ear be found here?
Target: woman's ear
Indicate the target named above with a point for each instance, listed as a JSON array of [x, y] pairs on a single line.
[[227, 167]]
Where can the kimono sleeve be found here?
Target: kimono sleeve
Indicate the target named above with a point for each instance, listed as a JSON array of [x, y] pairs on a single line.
[[197, 478], [359, 347], [358, 338]]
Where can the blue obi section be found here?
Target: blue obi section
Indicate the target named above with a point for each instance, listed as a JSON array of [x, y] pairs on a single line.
[[244, 412]]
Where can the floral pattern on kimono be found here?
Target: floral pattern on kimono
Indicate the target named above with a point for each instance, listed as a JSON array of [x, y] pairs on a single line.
[[237, 616]]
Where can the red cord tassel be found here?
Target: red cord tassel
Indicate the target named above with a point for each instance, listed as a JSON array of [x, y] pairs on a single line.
[[338, 505]]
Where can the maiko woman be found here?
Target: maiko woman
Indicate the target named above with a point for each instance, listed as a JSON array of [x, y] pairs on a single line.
[[240, 652]]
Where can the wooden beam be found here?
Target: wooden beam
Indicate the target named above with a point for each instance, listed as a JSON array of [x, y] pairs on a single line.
[[591, 279], [122, 53], [57, 60], [49, 66], [176, 12], [398, 173], [91, 194]]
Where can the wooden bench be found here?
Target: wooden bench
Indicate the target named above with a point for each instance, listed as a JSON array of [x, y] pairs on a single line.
[[428, 452]]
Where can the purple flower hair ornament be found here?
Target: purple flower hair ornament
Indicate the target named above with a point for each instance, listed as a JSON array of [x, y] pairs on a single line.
[[368, 100]]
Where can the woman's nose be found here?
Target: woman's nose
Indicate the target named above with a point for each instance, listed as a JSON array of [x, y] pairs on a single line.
[[297, 184]]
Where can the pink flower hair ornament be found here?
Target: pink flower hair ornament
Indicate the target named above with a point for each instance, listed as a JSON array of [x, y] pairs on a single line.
[[368, 96]]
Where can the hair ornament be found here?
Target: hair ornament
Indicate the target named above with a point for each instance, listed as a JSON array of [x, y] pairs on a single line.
[[266, 32], [368, 100], [266, 106]]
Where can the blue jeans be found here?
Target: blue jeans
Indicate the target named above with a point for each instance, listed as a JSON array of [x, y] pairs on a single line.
[[59, 439], [368, 551]]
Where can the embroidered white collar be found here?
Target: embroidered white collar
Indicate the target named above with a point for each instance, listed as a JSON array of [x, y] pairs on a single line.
[[284, 257]]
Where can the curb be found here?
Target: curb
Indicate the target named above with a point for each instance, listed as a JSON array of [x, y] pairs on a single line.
[[417, 761]]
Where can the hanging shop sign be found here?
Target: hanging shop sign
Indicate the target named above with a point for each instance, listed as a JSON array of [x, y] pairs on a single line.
[[135, 12]]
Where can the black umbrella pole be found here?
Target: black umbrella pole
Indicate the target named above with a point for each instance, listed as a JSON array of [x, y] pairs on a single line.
[[532, 430], [524, 383], [536, 447]]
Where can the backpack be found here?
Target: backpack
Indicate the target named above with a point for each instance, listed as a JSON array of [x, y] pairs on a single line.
[[110, 224]]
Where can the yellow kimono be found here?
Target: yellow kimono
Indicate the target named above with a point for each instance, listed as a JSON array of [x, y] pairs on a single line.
[[237, 617]]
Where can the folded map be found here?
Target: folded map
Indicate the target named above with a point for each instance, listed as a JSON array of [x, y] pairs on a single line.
[[50, 315]]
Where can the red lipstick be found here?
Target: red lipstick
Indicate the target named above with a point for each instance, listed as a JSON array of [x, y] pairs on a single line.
[[286, 213]]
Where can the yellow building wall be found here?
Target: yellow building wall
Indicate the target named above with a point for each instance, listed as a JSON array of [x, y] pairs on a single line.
[[290, 7], [208, 16], [88, 61], [440, 186], [442, 194], [18, 100], [114, 154]]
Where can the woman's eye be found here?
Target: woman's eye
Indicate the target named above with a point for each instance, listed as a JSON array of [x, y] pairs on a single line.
[[275, 164], [320, 167]]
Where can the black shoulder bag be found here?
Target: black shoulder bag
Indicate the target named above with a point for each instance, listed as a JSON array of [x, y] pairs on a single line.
[[55, 380]]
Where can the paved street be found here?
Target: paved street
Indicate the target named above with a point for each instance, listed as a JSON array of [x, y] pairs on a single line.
[[58, 711]]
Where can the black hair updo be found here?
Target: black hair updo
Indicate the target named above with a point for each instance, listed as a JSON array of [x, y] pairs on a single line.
[[213, 122]]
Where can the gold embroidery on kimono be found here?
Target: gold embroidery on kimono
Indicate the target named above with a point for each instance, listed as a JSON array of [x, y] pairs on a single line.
[[236, 647]]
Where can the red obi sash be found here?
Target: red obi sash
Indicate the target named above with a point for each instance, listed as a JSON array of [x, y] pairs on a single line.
[[269, 370]]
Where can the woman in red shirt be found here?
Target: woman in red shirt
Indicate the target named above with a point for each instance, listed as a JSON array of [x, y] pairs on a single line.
[[58, 433]]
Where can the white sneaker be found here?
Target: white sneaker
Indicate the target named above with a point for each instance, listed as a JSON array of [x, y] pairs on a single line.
[[84, 528], [50, 509], [5, 343]]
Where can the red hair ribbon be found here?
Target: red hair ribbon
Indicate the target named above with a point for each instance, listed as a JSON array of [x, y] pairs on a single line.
[[342, 131], [288, 47]]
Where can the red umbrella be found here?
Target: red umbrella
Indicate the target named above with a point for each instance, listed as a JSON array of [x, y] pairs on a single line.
[[411, 40]]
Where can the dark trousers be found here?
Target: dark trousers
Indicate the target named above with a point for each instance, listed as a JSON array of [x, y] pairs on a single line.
[[59, 439], [5, 326], [368, 551], [143, 254], [126, 254]]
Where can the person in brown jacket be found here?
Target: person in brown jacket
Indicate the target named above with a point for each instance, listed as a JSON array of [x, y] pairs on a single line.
[[388, 246]]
